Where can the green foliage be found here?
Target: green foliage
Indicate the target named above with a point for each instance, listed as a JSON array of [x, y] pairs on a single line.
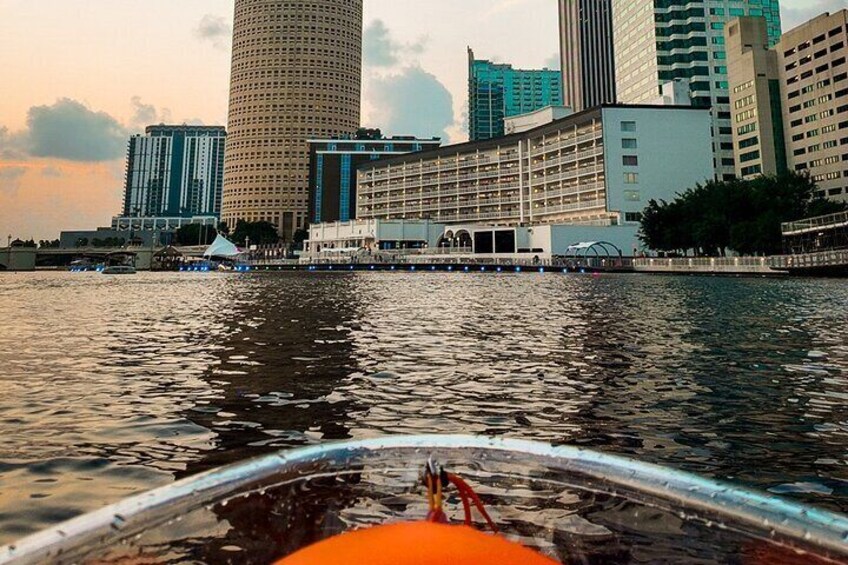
[[48, 244], [744, 216], [223, 229], [299, 237], [196, 234], [258, 233]]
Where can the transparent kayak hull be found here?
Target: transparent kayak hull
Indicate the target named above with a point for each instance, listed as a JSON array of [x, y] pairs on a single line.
[[575, 505]]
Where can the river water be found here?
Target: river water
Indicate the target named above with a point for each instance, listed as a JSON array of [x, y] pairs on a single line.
[[112, 386]]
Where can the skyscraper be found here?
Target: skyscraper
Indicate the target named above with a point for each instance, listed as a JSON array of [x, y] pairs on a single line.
[[498, 91], [296, 75], [175, 171], [586, 49], [754, 84], [813, 64], [657, 41]]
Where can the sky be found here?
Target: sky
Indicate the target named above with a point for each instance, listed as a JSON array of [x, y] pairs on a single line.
[[78, 77]]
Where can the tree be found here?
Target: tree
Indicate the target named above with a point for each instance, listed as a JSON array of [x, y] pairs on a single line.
[[48, 244], [300, 236], [744, 216], [259, 233], [223, 229]]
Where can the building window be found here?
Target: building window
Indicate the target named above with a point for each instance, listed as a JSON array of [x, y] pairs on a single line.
[[628, 126], [629, 143], [630, 161], [751, 156], [633, 216], [749, 142], [631, 178]]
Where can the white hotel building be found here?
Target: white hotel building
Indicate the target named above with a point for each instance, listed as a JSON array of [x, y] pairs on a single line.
[[591, 170], [598, 167]]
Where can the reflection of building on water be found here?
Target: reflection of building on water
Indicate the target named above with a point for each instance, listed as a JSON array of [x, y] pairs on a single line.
[[278, 369]]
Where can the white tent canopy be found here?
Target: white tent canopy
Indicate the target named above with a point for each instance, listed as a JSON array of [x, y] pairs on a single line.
[[222, 247]]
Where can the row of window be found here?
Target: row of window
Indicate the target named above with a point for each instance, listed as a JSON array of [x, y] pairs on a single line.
[[820, 69], [817, 55], [816, 40]]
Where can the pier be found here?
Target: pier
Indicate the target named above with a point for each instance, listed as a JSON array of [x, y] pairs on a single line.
[[815, 246]]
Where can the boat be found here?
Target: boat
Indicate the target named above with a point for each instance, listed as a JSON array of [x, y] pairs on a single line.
[[542, 503], [119, 270]]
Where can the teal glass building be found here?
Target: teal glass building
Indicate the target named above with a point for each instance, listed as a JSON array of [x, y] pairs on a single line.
[[498, 91]]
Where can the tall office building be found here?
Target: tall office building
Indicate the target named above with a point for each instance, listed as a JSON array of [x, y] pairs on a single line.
[[586, 50], [498, 91], [175, 172], [657, 41], [296, 75], [814, 92], [754, 86]]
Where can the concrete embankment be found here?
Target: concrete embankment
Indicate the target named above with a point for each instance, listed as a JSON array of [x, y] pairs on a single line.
[[17, 258]]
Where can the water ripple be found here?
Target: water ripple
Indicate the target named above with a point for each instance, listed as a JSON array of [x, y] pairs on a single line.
[[115, 386]]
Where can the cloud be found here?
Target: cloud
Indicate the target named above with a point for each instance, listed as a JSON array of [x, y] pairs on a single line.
[[10, 178], [808, 9], [504, 6], [71, 131], [411, 102], [215, 29], [146, 114], [52, 172], [378, 48], [381, 50]]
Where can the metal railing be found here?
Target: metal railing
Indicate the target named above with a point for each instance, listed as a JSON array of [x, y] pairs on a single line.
[[823, 259], [820, 222], [728, 265]]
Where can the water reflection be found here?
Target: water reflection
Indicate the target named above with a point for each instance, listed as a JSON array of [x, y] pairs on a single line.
[[112, 387]]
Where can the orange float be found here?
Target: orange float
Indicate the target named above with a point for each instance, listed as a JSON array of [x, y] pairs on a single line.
[[430, 542], [417, 543]]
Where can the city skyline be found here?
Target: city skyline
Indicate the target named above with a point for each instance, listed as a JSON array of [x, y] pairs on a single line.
[[107, 87]]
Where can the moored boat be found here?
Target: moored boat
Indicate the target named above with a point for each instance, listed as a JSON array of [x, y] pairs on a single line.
[[119, 270]]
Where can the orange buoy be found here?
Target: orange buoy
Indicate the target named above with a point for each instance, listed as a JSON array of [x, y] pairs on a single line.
[[416, 543]]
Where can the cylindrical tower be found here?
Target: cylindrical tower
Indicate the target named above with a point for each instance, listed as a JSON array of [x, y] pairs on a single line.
[[296, 75]]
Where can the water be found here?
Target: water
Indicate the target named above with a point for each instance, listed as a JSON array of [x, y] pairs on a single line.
[[112, 386]]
